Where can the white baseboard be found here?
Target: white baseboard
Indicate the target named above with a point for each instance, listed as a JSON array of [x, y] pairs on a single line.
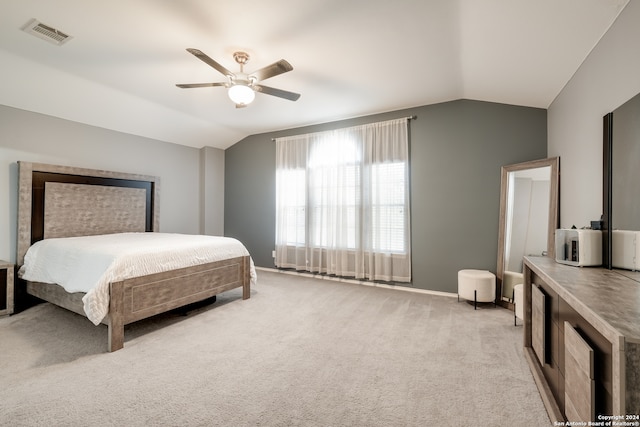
[[360, 282]]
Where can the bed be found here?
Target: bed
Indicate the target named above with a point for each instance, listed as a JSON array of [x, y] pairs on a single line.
[[58, 202]]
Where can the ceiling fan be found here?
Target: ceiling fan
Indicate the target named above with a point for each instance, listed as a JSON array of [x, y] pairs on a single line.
[[242, 86]]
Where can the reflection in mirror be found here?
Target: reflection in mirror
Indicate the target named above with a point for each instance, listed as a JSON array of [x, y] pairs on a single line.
[[528, 219], [622, 210]]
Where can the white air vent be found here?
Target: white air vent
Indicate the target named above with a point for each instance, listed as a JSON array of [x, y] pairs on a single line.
[[45, 32]]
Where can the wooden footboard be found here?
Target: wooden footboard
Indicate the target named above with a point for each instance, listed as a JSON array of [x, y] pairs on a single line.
[[141, 297]]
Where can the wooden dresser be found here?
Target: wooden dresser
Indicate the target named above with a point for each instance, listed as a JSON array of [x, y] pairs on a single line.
[[582, 340]]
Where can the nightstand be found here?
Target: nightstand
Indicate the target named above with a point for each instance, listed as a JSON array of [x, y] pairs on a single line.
[[6, 288]]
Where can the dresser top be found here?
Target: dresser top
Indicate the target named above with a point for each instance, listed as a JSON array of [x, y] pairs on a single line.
[[608, 299]]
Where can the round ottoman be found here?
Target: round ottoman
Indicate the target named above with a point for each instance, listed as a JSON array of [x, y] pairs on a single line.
[[518, 301], [477, 285]]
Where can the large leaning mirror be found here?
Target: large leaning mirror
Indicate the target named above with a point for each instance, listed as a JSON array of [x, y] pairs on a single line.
[[528, 219], [621, 195]]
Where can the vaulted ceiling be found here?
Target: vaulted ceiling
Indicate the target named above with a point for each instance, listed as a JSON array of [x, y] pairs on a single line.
[[350, 58]]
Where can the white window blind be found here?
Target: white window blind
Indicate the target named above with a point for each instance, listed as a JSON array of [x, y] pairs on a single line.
[[342, 202]]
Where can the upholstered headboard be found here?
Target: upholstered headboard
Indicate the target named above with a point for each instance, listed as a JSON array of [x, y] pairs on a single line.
[[62, 201]]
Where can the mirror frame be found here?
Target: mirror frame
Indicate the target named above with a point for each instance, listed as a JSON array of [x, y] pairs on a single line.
[[552, 223]]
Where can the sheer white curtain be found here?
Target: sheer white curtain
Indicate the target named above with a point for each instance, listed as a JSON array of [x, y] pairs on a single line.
[[342, 202]]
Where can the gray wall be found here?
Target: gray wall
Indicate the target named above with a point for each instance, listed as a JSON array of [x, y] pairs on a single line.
[[457, 149], [34, 137], [608, 77], [211, 191]]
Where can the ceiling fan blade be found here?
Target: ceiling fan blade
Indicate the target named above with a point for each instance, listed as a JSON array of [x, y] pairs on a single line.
[[291, 96], [192, 85], [204, 58], [272, 70]]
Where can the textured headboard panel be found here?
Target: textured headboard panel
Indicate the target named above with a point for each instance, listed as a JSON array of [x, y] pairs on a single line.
[[62, 201], [85, 210]]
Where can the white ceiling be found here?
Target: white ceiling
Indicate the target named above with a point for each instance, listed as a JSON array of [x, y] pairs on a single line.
[[350, 57]]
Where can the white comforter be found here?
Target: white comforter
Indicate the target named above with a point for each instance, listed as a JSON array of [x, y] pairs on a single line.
[[88, 264]]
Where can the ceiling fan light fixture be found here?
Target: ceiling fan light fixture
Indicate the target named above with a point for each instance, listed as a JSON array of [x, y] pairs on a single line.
[[241, 94], [243, 87]]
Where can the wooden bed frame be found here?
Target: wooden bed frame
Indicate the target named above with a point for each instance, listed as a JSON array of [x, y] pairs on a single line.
[[61, 201]]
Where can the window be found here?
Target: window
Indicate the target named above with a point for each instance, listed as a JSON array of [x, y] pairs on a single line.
[[389, 207], [291, 183], [343, 202]]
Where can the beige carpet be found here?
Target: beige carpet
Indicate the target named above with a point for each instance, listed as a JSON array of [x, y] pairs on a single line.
[[300, 352]]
